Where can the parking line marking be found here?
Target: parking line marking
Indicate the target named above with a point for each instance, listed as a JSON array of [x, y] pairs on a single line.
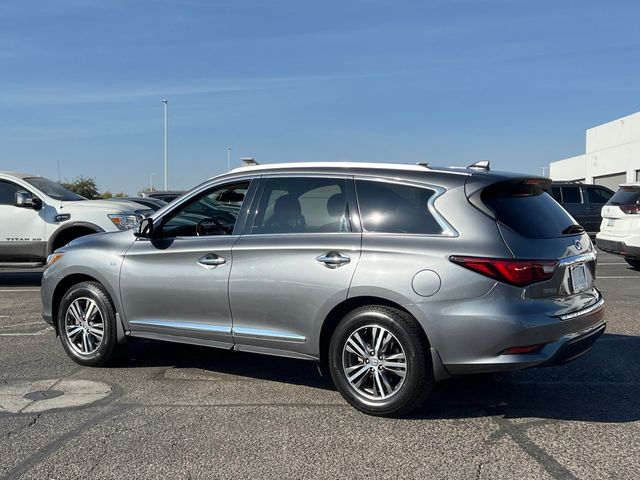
[[627, 276], [20, 324], [39, 332], [618, 263], [20, 290]]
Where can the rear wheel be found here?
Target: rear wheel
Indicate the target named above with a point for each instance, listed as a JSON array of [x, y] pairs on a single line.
[[634, 262], [87, 324], [380, 362]]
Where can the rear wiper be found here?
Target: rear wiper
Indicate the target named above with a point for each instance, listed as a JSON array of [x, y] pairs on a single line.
[[571, 229]]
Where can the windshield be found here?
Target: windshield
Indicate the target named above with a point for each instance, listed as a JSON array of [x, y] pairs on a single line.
[[53, 189]]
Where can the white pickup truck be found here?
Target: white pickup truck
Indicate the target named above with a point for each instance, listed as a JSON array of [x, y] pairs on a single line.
[[38, 215]]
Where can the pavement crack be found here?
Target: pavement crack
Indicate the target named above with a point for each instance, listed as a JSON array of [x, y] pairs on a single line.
[[32, 422]]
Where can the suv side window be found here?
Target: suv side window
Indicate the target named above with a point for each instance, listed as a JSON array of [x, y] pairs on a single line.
[[395, 208], [571, 195], [598, 195], [213, 213], [303, 205], [557, 196]]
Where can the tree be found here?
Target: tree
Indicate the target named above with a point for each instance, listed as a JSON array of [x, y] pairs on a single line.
[[84, 186]]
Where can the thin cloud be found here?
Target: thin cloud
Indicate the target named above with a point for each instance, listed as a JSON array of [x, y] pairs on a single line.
[[70, 96]]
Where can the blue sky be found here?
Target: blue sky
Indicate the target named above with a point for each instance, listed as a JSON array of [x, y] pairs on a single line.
[[447, 81]]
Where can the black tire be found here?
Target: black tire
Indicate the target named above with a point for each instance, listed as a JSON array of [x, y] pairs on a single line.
[[106, 347], [634, 262], [418, 380]]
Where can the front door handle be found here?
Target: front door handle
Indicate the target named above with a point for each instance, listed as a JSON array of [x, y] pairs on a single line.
[[211, 260], [333, 259]]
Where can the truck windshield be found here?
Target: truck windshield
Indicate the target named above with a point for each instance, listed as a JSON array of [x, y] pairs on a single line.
[[53, 189]]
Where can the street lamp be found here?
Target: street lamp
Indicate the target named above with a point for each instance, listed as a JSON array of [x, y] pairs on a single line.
[[151, 182], [166, 145]]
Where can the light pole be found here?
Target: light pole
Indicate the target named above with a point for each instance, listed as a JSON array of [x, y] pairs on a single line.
[[151, 182], [228, 158], [166, 145]]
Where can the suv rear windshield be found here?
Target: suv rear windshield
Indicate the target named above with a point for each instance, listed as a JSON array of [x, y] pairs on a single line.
[[525, 207], [626, 196]]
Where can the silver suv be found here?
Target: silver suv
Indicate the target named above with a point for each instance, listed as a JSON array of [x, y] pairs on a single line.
[[392, 277]]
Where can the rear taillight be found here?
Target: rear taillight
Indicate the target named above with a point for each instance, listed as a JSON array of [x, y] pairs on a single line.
[[631, 209], [514, 272]]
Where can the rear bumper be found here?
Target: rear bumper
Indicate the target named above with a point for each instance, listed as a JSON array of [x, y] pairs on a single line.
[[580, 331], [618, 247]]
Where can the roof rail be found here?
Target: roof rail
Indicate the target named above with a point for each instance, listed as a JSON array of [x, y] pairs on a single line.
[[248, 161], [481, 165], [423, 164]]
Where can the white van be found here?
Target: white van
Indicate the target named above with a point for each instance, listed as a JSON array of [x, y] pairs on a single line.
[[38, 215]]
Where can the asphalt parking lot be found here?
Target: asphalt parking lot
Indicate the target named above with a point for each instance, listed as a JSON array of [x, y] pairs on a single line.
[[174, 411]]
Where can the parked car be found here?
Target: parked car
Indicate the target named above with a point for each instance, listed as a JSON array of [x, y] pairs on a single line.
[[38, 215], [392, 277], [583, 201], [620, 229], [153, 204], [165, 195]]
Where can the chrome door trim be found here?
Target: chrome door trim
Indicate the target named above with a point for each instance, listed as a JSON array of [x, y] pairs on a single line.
[[266, 334], [196, 327]]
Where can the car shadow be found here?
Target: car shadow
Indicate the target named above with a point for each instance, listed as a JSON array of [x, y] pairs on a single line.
[[22, 278], [601, 386]]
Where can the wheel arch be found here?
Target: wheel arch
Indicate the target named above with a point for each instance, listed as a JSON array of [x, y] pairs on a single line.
[[339, 311], [66, 229]]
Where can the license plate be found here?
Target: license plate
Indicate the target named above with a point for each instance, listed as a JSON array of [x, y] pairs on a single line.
[[578, 275], [611, 222]]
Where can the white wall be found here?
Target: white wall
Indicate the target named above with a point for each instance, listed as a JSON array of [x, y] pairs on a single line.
[[611, 148]]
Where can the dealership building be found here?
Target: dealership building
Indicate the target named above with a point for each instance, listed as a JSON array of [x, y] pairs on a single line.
[[612, 155]]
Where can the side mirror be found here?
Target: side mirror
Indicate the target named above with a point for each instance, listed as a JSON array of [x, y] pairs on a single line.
[[144, 228], [26, 200]]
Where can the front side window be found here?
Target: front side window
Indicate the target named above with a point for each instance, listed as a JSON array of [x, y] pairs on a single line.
[[212, 213], [303, 205], [8, 192], [395, 208]]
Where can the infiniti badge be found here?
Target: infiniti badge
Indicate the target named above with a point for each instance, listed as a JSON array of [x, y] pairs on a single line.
[[578, 245]]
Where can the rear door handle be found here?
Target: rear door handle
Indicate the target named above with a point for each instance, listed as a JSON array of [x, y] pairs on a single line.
[[333, 259], [211, 260]]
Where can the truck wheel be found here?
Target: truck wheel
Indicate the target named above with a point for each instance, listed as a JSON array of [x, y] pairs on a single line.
[[87, 324]]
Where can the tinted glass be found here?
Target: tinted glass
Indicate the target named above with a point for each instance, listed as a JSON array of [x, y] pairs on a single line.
[[626, 196], [8, 193], [394, 208], [53, 189], [571, 195], [303, 205], [598, 195], [556, 194], [214, 213], [527, 209]]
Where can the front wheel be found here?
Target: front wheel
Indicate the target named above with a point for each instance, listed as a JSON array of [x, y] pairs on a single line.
[[634, 262], [380, 361], [87, 324]]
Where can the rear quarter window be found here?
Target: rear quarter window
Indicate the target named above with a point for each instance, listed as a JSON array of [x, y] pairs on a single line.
[[396, 208], [527, 209]]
